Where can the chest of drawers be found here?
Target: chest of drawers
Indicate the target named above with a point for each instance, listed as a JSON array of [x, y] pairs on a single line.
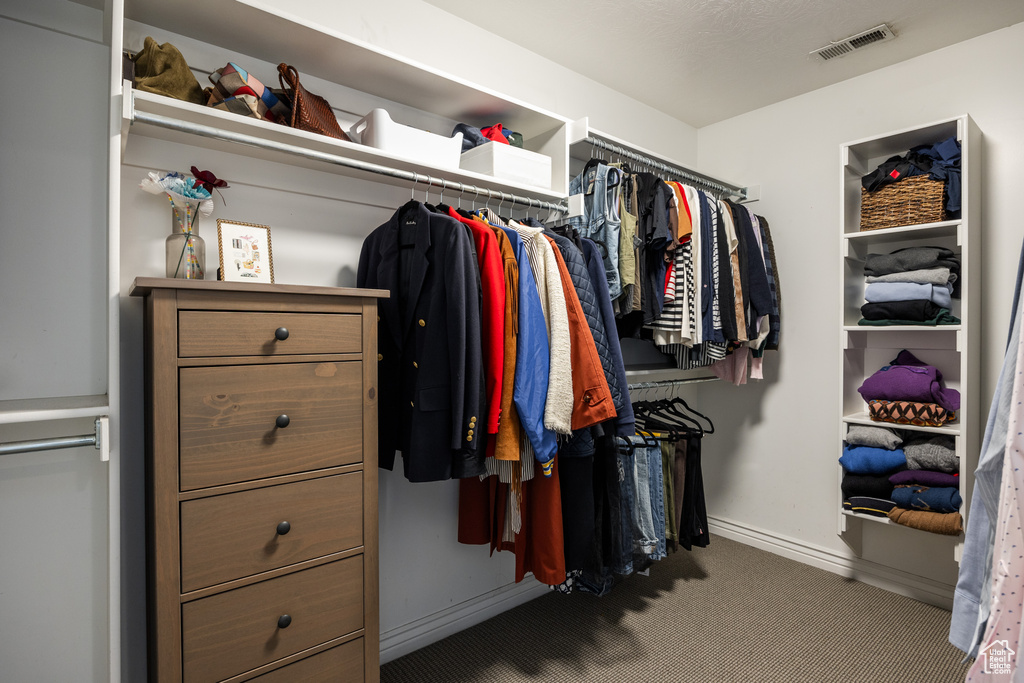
[[261, 481]]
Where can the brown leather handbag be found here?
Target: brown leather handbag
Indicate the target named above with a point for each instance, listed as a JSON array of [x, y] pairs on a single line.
[[309, 112]]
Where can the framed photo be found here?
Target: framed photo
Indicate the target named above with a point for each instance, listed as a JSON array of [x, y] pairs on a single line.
[[245, 252]]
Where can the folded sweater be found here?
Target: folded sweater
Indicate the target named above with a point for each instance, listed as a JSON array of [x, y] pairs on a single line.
[[870, 485], [908, 379], [935, 276], [925, 477], [949, 523], [880, 292], [870, 460], [934, 499]]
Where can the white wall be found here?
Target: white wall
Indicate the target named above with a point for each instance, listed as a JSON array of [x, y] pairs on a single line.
[[53, 340], [774, 469]]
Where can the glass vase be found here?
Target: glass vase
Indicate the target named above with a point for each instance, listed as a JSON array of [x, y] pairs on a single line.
[[186, 250]]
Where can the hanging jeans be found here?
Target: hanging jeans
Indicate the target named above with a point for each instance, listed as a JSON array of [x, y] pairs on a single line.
[[645, 540]]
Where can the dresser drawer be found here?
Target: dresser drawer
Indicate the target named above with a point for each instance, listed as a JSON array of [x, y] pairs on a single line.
[[226, 333], [342, 664], [233, 632], [239, 534], [228, 420]]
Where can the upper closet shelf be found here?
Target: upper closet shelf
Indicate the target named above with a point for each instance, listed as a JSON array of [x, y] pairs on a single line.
[[267, 32], [178, 121], [20, 411], [584, 141]]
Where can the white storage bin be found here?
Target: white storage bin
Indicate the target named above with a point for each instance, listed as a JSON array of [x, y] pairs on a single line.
[[509, 163], [376, 129]]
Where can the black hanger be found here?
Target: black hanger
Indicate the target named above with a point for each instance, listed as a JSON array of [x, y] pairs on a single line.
[[711, 425]]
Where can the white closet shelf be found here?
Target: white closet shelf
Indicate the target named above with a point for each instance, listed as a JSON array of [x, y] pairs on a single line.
[[19, 411], [862, 418], [905, 232], [929, 329], [868, 518], [233, 124], [267, 32]]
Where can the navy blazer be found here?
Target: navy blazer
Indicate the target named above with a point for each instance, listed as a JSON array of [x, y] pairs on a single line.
[[430, 364]]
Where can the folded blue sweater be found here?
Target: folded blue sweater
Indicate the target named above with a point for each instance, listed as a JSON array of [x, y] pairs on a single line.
[[871, 460], [878, 292], [932, 499]]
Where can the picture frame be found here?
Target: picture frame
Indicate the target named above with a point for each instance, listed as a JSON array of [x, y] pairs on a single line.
[[245, 252]]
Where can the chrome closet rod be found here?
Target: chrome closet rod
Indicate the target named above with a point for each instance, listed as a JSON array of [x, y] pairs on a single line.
[[55, 443], [671, 382], [417, 178], [686, 174]]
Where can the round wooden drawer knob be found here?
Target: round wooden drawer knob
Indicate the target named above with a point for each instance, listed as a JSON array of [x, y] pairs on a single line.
[[282, 421], [283, 528], [281, 333], [284, 621]]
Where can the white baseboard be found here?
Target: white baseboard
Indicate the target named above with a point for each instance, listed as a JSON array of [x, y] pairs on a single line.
[[893, 580], [433, 627]]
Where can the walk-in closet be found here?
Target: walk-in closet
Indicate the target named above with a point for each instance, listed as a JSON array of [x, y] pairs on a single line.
[[435, 341]]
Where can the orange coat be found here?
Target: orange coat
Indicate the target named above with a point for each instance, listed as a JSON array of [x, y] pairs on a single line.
[[592, 399]]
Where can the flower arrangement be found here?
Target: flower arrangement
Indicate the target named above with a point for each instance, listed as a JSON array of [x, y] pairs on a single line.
[[189, 197]]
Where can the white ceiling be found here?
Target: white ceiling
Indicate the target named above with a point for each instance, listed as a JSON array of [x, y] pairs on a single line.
[[703, 61]]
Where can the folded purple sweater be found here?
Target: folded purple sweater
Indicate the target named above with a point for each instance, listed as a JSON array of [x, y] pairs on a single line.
[[908, 379]]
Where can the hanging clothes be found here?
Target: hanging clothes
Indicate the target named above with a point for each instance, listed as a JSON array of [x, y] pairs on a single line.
[[972, 601], [430, 367]]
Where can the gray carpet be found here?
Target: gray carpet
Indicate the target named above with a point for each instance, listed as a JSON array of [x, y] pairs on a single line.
[[728, 613]]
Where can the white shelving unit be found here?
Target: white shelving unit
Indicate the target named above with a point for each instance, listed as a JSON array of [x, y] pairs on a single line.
[[953, 349]]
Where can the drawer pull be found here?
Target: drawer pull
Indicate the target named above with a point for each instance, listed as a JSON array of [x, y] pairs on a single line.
[[283, 528], [282, 421], [281, 333], [284, 621]]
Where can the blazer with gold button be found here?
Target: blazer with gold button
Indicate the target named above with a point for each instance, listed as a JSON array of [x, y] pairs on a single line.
[[430, 369]]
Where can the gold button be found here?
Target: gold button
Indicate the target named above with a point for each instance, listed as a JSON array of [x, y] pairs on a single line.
[[423, 323], [415, 364], [412, 404], [380, 356], [470, 432], [469, 438]]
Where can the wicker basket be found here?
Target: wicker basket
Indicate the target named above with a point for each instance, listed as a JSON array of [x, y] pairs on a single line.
[[910, 201]]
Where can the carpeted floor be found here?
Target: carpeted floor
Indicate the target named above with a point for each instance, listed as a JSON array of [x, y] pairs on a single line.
[[727, 613]]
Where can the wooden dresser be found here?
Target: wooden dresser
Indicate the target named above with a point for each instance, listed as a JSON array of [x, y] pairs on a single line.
[[262, 481]]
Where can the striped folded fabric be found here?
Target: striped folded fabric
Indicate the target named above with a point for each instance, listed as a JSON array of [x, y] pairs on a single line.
[[239, 92], [910, 413]]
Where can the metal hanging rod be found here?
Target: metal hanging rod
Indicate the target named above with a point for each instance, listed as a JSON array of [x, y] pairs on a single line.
[[672, 382], [685, 174], [416, 178], [95, 439]]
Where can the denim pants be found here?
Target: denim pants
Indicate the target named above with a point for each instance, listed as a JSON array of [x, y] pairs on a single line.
[[646, 541], [657, 486]]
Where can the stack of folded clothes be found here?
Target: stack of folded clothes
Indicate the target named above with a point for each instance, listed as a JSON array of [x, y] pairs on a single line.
[[870, 456], [912, 286], [927, 493], [909, 391]]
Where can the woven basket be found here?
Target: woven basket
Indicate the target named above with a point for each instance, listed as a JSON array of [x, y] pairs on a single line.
[[910, 201]]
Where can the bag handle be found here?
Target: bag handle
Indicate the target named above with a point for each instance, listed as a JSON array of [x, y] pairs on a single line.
[[289, 78]]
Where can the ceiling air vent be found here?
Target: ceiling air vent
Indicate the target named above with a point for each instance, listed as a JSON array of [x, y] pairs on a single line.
[[839, 48]]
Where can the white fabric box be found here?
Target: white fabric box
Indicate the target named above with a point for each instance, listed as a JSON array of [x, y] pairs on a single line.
[[376, 129], [509, 163]]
